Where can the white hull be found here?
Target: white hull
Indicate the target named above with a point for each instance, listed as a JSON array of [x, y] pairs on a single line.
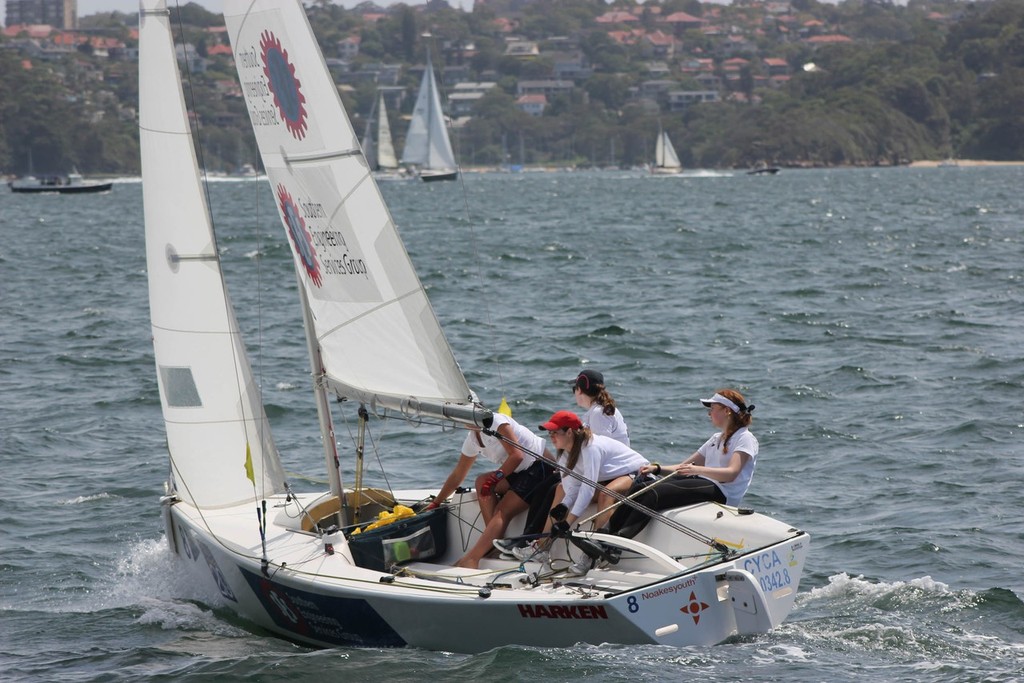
[[322, 599]]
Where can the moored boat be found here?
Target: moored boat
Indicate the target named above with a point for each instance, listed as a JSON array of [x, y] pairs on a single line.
[[72, 183]]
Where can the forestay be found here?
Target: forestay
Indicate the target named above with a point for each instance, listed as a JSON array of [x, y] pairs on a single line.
[[379, 338], [211, 405]]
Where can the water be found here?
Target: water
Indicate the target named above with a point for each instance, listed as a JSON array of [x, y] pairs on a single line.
[[873, 316]]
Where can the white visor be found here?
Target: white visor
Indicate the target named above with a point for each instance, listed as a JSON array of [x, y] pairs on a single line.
[[721, 400]]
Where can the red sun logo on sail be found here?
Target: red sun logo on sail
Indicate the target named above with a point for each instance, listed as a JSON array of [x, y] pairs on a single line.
[[287, 89], [302, 241]]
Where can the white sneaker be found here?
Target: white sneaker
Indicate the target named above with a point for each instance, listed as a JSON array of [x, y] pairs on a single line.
[[504, 546], [580, 566], [531, 553]]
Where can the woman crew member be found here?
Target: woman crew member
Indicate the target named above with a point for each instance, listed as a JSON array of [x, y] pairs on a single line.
[[514, 454], [604, 419], [595, 458], [602, 416], [508, 490], [719, 471]]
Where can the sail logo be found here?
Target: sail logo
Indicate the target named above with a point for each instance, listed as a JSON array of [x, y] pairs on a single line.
[[286, 88], [694, 607], [302, 241]]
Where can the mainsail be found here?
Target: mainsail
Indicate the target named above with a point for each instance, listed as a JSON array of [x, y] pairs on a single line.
[[427, 145], [378, 337], [212, 408]]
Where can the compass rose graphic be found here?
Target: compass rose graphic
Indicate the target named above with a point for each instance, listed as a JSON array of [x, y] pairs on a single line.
[[694, 607], [287, 89], [299, 234]]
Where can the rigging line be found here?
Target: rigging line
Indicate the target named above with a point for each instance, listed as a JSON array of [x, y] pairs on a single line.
[[264, 425]]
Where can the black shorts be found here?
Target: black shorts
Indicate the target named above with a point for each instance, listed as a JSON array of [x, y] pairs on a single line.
[[527, 484]]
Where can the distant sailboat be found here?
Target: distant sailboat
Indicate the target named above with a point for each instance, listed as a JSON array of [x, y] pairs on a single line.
[[666, 161], [427, 146], [379, 150]]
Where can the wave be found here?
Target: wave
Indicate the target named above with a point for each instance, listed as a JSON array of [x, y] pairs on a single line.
[[87, 499]]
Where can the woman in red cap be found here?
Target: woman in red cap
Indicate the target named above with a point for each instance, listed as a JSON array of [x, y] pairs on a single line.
[[596, 459], [720, 471], [604, 419]]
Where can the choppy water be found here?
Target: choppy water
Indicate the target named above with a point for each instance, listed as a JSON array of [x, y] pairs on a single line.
[[874, 317]]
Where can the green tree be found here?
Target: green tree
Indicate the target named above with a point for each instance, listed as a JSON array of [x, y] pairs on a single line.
[[410, 33]]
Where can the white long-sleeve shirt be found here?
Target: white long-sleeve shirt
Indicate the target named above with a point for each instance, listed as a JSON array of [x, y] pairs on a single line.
[[601, 459], [613, 426]]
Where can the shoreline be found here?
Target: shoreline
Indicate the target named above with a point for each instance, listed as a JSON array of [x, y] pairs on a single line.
[[963, 162], [947, 163]]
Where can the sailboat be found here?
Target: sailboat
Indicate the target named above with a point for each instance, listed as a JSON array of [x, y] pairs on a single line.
[[378, 149], [355, 565], [427, 147], [666, 161]]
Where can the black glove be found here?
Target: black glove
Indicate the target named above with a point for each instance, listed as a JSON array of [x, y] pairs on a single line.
[[559, 512], [560, 529]]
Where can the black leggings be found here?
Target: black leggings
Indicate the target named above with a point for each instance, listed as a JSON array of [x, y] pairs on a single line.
[[671, 492], [541, 502]]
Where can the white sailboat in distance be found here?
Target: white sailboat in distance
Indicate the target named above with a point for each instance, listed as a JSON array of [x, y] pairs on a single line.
[[428, 148], [305, 565], [666, 161], [377, 145]]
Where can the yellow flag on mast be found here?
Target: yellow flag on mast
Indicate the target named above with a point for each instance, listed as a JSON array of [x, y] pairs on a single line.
[[504, 408], [248, 464]]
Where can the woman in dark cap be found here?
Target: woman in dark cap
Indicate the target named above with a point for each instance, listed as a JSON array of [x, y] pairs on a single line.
[[601, 416], [719, 471]]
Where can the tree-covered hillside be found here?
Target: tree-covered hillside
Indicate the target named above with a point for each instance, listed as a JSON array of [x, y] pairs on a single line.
[[929, 80]]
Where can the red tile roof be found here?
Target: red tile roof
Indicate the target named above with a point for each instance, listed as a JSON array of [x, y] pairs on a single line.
[[616, 18]]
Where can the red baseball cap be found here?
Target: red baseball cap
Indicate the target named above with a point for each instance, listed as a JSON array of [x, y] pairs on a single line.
[[563, 419]]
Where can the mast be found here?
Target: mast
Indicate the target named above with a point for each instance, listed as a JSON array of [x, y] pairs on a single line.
[[322, 399], [433, 87], [370, 149]]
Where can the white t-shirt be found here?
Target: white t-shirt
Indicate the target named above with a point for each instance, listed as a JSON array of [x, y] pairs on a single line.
[[613, 426], [741, 440], [601, 459], [495, 452]]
